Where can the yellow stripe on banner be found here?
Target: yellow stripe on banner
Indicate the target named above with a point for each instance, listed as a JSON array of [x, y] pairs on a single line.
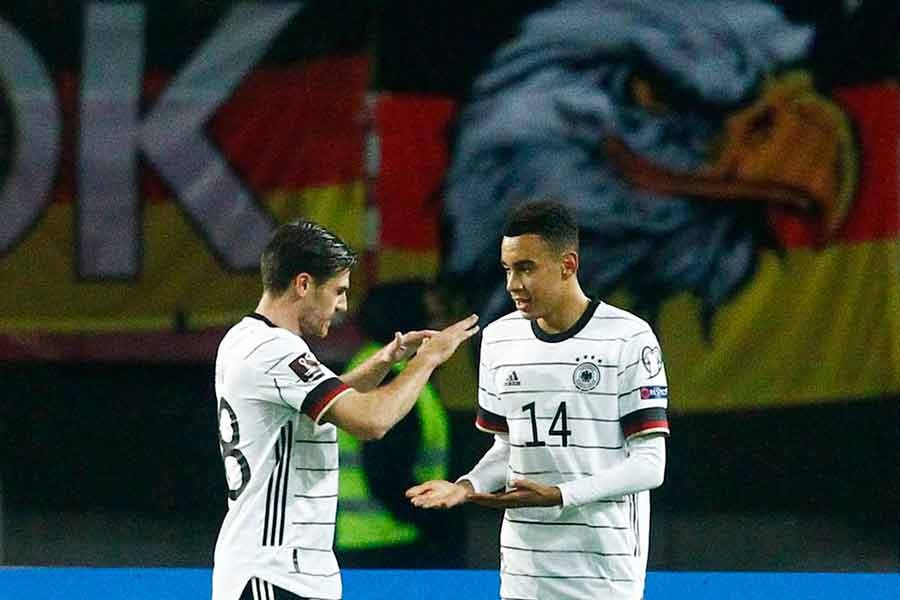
[[813, 327], [396, 264], [42, 292]]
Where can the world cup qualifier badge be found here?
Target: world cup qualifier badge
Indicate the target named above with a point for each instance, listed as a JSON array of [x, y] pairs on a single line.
[[587, 374]]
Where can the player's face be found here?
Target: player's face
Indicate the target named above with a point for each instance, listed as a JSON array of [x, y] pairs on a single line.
[[323, 303], [534, 274]]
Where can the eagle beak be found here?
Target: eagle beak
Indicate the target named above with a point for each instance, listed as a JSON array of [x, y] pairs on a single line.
[[791, 149]]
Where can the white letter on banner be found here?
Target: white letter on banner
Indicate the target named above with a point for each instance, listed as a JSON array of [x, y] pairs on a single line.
[[36, 131], [108, 230], [171, 136]]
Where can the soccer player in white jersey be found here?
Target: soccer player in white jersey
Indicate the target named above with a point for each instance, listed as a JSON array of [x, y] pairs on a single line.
[[279, 407], [575, 393]]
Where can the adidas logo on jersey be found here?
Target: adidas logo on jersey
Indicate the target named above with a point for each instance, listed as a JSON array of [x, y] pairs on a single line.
[[512, 380]]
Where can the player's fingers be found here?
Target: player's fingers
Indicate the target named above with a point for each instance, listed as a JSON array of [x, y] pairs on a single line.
[[525, 484], [417, 490], [464, 324]]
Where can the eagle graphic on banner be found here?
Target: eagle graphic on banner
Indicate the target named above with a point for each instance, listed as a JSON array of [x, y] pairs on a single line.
[[679, 132]]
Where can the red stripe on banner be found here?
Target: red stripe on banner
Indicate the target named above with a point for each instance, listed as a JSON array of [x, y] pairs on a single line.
[[875, 113], [412, 132], [282, 128]]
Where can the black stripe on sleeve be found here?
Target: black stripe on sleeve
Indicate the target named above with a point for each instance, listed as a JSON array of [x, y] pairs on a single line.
[[491, 422], [645, 419]]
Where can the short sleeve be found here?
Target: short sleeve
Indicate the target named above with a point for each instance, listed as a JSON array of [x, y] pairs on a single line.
[[299, 380], [491, 417], [643, 388]]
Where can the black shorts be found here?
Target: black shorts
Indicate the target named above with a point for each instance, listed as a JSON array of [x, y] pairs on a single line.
[[257, 589]]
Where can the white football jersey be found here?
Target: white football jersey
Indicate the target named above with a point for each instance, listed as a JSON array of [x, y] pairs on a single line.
[[281, 464], [570, 403]]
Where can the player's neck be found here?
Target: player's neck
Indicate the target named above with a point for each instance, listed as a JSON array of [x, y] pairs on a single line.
[[566, 314], [280, 311]]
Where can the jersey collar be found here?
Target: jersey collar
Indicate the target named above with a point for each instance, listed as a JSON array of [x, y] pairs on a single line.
[[255, 315], [571, 331]]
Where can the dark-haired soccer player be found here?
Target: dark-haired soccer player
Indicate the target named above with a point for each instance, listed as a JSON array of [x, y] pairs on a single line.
[[575, 392], [278, 412]]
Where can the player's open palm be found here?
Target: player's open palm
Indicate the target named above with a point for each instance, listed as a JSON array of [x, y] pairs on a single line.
[[441, 346], [437, 494]]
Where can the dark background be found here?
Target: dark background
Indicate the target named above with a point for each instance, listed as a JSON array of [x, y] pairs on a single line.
[[118, 464], [97, 458]]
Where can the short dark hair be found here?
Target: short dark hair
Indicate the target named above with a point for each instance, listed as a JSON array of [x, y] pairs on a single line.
[[303, 247], [549, 219]]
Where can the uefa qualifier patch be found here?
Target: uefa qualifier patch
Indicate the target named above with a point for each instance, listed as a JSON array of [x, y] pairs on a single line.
[[651, 358]]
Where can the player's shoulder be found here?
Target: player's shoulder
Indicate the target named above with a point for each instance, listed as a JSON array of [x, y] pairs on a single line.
[[619, 322], [509, 325], [253, 340]]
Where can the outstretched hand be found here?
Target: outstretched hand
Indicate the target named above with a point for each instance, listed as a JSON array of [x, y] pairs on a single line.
[[406, 344], [441, 346], [524, 493], [438, 494]]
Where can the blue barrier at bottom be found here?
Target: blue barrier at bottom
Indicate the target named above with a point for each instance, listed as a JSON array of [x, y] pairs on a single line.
[[35, 583]]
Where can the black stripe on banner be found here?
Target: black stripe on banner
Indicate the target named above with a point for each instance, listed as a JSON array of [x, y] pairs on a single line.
[[287, 469]]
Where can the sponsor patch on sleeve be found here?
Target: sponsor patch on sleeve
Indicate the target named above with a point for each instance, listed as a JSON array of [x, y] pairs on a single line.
[[654, 392], [307, 368]]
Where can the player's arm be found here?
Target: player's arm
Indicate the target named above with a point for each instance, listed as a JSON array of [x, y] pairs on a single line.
[[644, 469], [369, 374], [643, 399], [487, 475], [369, 415]]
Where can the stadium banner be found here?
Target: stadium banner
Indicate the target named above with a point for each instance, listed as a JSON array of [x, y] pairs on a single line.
[[149, 151], [730, 190]]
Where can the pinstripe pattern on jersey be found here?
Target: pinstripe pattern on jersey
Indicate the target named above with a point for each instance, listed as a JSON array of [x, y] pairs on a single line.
[[567, 402], [276, 494]]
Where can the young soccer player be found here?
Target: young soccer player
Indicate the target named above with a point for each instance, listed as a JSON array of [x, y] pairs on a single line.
[[278, 410], [574, 391]]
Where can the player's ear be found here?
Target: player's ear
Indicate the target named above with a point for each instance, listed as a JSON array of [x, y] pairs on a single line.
[[302, 284], [569, 264]]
